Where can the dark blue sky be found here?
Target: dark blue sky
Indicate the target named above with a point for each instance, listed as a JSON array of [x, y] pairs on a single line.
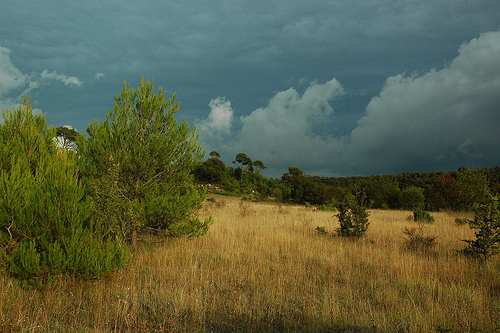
[[332, 87]]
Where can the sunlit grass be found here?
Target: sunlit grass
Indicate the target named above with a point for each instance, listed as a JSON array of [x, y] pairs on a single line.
[[265, 268]]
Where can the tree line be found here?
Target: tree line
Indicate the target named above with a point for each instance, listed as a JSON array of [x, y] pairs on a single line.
[[452, 190]]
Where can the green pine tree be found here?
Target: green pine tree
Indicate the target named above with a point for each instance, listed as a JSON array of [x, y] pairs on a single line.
[[486, 222], [46, 225], [137, 165]]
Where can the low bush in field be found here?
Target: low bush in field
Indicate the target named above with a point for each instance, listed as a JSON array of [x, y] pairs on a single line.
[[420, 215], [417, 241]]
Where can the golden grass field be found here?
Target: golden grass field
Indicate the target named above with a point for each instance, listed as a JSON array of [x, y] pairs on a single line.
[[264, 268]]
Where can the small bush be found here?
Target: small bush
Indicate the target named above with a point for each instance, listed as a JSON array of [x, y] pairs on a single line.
[[487, 223], [421, 215], [417, 241], [321, 230], [245, 209], [352, 215], [328, 207]]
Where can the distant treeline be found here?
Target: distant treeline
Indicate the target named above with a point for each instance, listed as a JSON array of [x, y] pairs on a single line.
[[443, 190]]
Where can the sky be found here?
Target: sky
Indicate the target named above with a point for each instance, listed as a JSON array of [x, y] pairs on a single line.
[[335, 88]]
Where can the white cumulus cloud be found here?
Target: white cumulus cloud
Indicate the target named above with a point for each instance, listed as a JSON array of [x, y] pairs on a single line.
[[14, 85], [451, 114], [279, 133], [218, 124], [442, 119], [67, 80]]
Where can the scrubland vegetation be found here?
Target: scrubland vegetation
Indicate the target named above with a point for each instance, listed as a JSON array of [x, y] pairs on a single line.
[[100, 233], [264, 267]]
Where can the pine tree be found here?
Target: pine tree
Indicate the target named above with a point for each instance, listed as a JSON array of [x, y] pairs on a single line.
[[46, 225], [137, 165], [486, 222]]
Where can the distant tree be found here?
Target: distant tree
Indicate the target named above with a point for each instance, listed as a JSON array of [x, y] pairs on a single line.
[[292, 172], [472, 188], [381, 191], [137, 166], [294, 181], [212, 170], [412, 198], [259, 165], [214, 154], [304, 188], [443, 194], [66, 137], [245, 162]]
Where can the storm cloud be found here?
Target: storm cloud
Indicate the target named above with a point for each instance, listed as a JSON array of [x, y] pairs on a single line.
[[244, 72], [445, 118]]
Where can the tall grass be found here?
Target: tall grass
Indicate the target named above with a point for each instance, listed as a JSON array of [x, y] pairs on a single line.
[[265, 268]]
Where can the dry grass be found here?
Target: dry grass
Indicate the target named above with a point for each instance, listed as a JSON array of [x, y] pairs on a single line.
[[264, 268]]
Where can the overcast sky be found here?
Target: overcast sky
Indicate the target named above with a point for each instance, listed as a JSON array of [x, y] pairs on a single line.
[[335, 88]]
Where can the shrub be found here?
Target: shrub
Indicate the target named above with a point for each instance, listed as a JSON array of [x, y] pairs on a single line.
[[417, 241], [487, 223], [352, 215], [321, 230], [245, 209], [421, 215]]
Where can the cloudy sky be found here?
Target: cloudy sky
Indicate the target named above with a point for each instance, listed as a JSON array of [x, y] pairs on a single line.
[[335, 88]]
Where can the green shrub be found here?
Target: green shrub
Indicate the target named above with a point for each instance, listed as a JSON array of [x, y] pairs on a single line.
[[487, 223], [352, 215], [421, 215]]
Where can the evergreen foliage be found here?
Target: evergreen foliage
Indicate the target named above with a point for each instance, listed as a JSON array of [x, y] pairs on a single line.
[[352, 215], [487, 223], [46, 224], [137, 166], [245, 161], [420, 215], [213, 171], [472, 187], [412, 198]]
